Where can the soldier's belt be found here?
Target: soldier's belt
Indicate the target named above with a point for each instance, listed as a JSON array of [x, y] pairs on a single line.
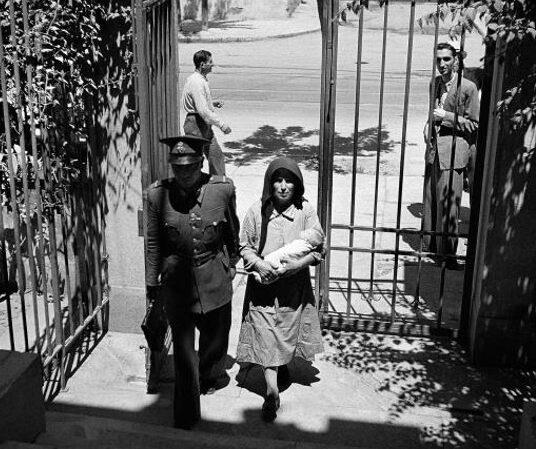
[[200, 259]]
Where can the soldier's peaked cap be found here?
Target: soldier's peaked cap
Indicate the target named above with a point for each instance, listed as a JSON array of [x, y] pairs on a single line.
[[185, 150]]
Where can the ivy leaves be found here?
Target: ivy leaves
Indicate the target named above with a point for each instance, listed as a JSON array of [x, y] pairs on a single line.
[[69, 72]]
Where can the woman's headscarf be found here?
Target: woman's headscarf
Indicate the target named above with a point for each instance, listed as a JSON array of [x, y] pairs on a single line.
[[281, 165]]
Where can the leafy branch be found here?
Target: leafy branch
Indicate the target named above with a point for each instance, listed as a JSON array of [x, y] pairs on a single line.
[[69, 74]]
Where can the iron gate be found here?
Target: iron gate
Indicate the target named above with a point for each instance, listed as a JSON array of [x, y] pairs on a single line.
[[53, 273], [157, 65], [350, 297], [365, 285]]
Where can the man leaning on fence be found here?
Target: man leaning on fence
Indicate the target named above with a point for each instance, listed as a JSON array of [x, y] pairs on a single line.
[[192, 250], [200, 114], [445, 160]]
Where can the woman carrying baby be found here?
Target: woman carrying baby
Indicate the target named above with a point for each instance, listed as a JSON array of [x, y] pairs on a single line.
[[280, 318]]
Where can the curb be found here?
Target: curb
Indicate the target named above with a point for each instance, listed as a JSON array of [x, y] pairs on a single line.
[[201, 40]]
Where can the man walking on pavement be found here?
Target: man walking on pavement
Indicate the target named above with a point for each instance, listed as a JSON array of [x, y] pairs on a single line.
[[191, 251], [441, 203], [200, 114]]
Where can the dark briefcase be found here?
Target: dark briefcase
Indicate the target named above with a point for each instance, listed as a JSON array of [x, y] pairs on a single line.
[[154, 326]]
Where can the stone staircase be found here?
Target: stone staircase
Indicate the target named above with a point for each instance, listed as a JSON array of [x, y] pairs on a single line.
[[69, 431]]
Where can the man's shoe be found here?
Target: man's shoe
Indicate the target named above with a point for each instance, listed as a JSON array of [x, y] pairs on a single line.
[[269, 408]]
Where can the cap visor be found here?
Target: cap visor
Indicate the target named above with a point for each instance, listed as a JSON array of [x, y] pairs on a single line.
[[185, 160]]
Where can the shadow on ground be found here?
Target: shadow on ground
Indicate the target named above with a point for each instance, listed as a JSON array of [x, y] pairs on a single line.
[[416, 209], [350, 433], [251, 376], [426, 278], [74, 358], [296, 142], [485, 403]]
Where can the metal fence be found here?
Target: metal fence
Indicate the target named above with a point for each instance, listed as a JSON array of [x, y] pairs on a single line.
[[53, 271], [354, 297]]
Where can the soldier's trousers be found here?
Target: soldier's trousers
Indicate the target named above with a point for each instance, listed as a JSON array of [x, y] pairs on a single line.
[[190, 367], [440, 213], [196, 126]]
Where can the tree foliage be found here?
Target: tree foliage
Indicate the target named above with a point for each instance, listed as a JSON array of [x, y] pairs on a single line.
[[68, 74]]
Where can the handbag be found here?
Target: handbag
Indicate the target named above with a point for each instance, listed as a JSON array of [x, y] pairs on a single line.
[[154, 325]]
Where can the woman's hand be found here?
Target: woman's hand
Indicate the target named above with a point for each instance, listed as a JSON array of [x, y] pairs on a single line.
[[290, 267], [268, 274]]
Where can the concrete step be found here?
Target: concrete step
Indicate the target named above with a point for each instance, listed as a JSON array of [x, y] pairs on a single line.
[[20, 445], [22, 410], [69, 431]]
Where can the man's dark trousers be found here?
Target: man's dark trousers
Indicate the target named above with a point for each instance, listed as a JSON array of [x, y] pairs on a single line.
[[194, 125], [190, 368], [440, 213]]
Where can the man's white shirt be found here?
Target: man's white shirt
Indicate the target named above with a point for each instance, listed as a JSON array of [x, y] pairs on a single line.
[[196, 99]]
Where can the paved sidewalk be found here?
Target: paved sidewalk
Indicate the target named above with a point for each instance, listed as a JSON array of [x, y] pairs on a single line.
[[365, 391], [304, 20]]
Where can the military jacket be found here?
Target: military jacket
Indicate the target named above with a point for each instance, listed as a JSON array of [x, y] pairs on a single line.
[[192, 241]]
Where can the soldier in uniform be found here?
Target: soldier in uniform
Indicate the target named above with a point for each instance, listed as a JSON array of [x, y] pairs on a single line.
[[192, 250]]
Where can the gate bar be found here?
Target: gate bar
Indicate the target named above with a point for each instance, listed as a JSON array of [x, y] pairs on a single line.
[[403, 151], [38, 173], [59, 337], [68, 118], [353, 205], [165, 71], [51, 218], [395, 251], [4, 273], [451, 173], [431, 104], [65, 237], [24, 169], [176, 112], [160, 79], [399, 231], [13, 191], [378, 153], [151, 75], [327, 130]]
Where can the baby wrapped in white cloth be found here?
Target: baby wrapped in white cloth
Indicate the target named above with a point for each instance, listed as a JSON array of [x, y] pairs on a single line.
[[308, 241]]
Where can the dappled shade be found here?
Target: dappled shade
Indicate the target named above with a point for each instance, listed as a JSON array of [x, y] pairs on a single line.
[[300, 144], [485, 404]]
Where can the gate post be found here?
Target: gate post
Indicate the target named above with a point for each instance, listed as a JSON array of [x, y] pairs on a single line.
[[157, 58], [327, 132], [502, 321]]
